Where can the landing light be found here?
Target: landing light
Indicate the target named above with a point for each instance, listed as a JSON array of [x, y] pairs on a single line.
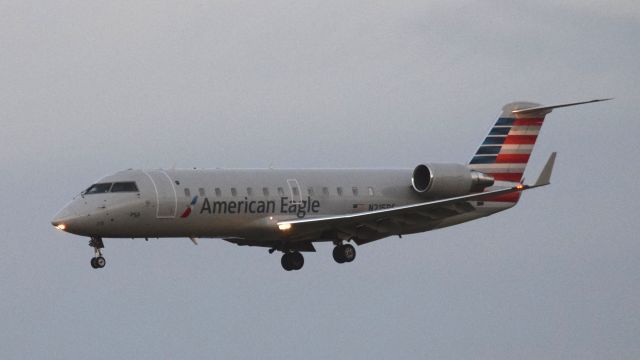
[[61, 226], [284, 227], [520, 187]]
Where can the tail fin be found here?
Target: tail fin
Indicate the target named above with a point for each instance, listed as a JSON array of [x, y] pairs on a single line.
[[506, 150]]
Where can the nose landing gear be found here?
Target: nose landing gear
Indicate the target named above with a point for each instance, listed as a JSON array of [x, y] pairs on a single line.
[[98, 261]]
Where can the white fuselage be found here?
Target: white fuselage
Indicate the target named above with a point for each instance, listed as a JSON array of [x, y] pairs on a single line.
[[246, 204]]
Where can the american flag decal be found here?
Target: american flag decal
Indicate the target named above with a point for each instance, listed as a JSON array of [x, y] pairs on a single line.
[[360, 207], [506, 150]]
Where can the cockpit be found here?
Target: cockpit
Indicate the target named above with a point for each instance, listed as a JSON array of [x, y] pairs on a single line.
[[116, 187]]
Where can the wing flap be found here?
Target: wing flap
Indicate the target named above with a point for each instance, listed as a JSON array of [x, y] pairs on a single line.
[[301, 245]]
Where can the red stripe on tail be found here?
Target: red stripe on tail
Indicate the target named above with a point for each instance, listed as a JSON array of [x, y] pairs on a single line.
[[528, 122], [512, 158], [520, 139]]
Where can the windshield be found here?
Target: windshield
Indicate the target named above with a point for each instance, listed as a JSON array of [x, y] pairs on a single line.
[[128, 186], [98, 189], [101, 188]]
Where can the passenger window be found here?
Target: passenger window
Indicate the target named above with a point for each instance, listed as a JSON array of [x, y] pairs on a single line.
[[355, 191], [201, 192], [187, 192], [310, 191], [339, 190], [371, 192], [249, 191], [325, 191], [295, 191], [234, 192], [280, 191], [98, 189], [128, 186], [218, 192], [265, 191]]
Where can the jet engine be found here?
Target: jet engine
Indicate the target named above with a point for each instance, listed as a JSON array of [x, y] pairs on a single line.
[[448, 180]]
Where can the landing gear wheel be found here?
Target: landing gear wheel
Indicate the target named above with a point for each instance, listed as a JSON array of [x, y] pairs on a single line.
[[348, 253], [100, 262], [285, 262], [292, 260], [337, 254], [298, 260], [344, 253]]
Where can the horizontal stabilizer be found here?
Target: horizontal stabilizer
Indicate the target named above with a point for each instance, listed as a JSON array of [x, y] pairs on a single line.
[[547, 109], [545, 175]]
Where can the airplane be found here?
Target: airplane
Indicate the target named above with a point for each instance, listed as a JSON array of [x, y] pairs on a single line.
[[289, 210]]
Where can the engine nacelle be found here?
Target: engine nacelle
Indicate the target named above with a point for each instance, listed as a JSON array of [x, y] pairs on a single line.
[[448, 180]]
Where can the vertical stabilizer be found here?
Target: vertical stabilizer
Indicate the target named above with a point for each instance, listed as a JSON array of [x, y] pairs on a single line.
[[505, 152]]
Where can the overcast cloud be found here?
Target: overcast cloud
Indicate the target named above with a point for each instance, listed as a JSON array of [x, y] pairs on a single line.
[[89, 88]]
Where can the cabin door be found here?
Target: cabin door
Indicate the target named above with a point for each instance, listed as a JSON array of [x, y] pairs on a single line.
[[166, 197], [295, 192]]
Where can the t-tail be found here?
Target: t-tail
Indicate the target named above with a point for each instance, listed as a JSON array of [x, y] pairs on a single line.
[[505, 152]]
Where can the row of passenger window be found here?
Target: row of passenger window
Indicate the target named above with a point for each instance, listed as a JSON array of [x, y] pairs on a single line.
[[281, 191], [130, 186]]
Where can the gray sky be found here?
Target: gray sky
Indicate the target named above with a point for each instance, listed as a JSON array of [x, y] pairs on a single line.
[[89, 88]]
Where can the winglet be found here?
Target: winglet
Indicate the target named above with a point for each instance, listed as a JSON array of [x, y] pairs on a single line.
[[545, 175]]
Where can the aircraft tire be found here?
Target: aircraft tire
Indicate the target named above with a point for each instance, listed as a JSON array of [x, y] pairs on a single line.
[[344, 253], [292, 261], [297, 260], [286, 262], [100, 262], [337, 254], [348, 252], [93, 263]]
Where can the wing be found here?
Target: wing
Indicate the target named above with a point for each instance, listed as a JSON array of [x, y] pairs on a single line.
[[373, 225], [299, 234], [386, 222], [382, 223]]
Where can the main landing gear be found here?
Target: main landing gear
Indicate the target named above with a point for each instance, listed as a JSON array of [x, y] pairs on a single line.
[[292, 260], [344, 253], [98, 261]]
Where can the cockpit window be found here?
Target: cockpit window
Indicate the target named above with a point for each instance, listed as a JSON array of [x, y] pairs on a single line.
[[128, 186], [98, 189]]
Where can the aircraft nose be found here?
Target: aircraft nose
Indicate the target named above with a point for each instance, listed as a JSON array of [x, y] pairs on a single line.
[[62, 219]]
